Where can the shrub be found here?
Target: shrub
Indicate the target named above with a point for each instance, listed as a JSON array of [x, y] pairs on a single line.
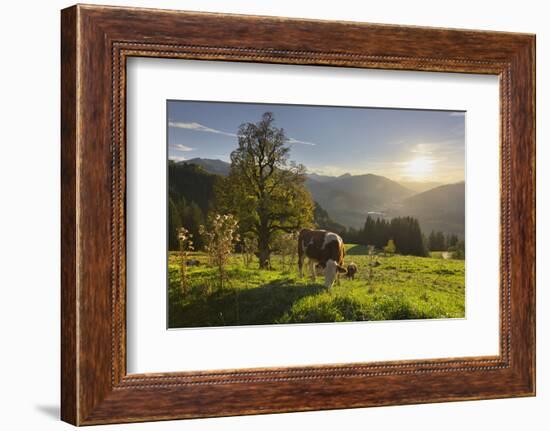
[[458, 250], [390, 247], [185, 243], [220, 237], [285, 246], [249, 248]]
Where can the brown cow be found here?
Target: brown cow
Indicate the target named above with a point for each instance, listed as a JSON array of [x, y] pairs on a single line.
[[326, 250], [352, 270]]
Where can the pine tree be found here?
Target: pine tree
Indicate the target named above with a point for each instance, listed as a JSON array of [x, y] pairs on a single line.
[[452, 240], [174, 223], [367, 235], [432, 241], [192, 218], [441, 241]]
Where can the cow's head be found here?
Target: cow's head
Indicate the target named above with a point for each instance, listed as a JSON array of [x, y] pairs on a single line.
[[331, 270]]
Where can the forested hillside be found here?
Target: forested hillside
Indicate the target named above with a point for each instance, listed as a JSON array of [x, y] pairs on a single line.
[[190, 196]]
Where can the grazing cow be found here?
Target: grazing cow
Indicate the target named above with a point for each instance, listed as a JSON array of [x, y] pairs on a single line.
[[352, 270], [326, 250]]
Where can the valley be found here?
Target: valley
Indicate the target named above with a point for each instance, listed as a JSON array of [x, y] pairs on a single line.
[[348, 199]]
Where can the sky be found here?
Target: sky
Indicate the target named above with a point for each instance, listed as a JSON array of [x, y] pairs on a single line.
[[401, 144]]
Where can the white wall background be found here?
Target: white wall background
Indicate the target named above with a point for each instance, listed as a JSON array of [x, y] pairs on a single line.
[[29, 215]]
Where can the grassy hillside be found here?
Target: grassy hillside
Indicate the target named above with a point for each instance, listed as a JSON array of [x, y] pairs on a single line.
[[401, 287]]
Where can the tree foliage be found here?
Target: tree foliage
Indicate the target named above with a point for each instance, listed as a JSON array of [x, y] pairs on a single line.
[[220, 236], [264, 190], [451, 240], [322, 220], [458, 250], [249, 248], [185, 240], [404, 231], [193, 183], [437, 241], [408, 236], [285, 245], [190, 197], [390, 247]]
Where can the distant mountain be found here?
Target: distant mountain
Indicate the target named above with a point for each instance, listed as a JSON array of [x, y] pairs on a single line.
[[415, 186], [419, 186], [348, 198], [441, 209], [212, 166], [320, 178]]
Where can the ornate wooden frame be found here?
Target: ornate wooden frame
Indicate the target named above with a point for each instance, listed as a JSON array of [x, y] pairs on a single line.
[[95, 43]]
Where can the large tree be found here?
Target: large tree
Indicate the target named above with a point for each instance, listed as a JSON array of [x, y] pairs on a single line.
[[264, 190]]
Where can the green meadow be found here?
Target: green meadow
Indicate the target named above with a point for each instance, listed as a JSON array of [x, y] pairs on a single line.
[[385, 288]]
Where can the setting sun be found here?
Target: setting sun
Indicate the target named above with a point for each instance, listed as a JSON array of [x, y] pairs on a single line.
[[419, 168]]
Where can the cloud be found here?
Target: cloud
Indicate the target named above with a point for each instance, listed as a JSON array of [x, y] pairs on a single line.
[[181, 148], [440, 149], [197, 127], [293, 141], [368, 165], [176, 158], [423, 149]]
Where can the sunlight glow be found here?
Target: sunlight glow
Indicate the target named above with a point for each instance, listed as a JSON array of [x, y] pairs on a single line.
[[419, 168]]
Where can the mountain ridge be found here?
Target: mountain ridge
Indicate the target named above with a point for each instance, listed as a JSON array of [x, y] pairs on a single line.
[[440, 209], [212, 166], [349, 198]]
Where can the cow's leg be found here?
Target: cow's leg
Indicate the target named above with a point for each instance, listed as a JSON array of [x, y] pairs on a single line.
[[311, 264], [301, 254]]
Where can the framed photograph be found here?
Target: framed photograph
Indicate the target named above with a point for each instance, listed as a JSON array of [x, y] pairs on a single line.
[[264, 215], [244, 220]]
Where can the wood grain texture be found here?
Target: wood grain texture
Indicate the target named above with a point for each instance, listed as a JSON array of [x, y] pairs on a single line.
[[96, 41], [69, 367]]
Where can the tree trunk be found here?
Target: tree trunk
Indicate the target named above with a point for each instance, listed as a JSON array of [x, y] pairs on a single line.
[[263, 249]]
